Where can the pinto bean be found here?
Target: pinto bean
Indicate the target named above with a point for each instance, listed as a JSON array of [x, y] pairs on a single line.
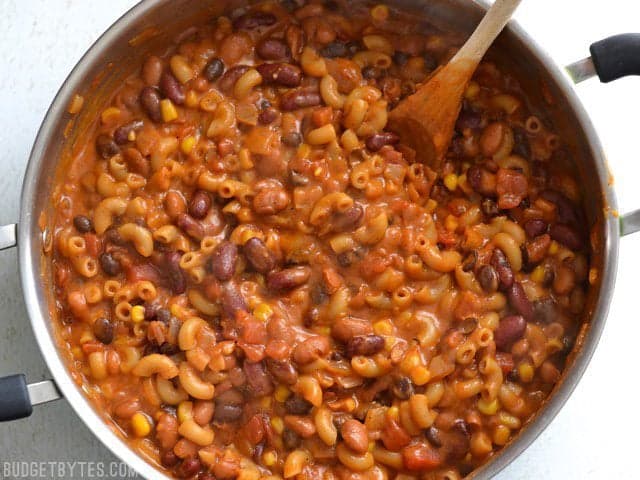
[[488, 278], [190, 226], [345, 328], [491, 138], [174, 204], [173, 272], [152, 70], [402, 388], [300, 98], [252, 20], [223, 261], [503, 269], [258, 255], [355, 435], [232, 300], [103, 330], [273, 49], [121, 134], [258, 379], [82, 223], [378, 140], [510, 330], [270, 201], [106, 147], [200, 204], [283, 371], [482, 181], [110, 265], [150, 101], [303, 426], [288, 278], [348, 220], [311, 349], [214, 69], [171, 88], [364, 345], [518, 300], [283, 74], [566, 235]]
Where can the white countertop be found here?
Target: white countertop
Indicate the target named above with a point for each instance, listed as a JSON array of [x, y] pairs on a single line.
[[596, 434]]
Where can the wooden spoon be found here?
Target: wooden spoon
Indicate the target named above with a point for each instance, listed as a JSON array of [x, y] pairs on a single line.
[[426, 119]]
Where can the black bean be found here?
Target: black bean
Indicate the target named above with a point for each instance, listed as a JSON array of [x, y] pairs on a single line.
[[109, 264], [535, 227], [519, 301], [544, 310], [288, 278], [521, 143], [106, 147], [82, 223], [174, 274], [509, 330], [371, 72], [171, 88], [364, 345], [433, 436], [150, 101], [168, 349], [335, 49], [400, 58], [430, 63], [200, 204], [378, 140], [566, 235], [121, 134], [469, 263], [490, 207], [214, 69], [488, 278], [403, 388], [468, 119], [163, 315], [253, 20], [468, 325], [500, 263], [296, 405], [103, 330], [290, 439], [353, 47], [258, 255], [223, 260]]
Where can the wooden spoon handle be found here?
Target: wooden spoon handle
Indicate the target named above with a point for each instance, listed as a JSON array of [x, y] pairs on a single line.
[[487, 31]]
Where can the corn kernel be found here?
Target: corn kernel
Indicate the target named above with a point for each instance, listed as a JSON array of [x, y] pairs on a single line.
[[420, 375], [431, 205], [303, 151], [451, 223], [185, 411], [269, 458], [510, 421], [371, 446], [553, 248], [137, 314], [175, 310], [282, 393], [380, 13], [191, 99], [393, 413], [77, 353], [525, 372], [110, 115], [317, 172], [593, 275], [76, 104], [326, 331], [389, 342], [263, 312], [501, 435], [349, 405], [168, 110], [140, 425], [132, 136], [383, 327], [538, 274], [451, 181], [278, 425], [187, 144], [265, 402], [409, 362], [488, 407], [472, 91]]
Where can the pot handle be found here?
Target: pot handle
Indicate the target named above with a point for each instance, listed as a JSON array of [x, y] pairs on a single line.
[[611, 58], [17, 398]]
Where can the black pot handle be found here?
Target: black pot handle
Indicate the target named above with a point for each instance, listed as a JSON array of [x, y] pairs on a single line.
[[611, 58], [17, 398]]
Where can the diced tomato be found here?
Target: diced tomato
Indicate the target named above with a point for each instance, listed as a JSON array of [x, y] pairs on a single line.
[[419, 457], [511, 187]]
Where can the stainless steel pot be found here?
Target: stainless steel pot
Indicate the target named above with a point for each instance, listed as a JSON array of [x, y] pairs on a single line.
[[154, 22]]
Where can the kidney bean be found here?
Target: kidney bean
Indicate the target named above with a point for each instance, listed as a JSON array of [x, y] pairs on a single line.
[[258, 380], [174, 274], [252, 20], [419, 457], [270, 201], [106, 147], [188, 468], [355, 435], [536, 249], [136, 162], [190, 226], [535, 227], [488, 278], [468, 119], [503, 269], [489, 207], [491, 138], [302, 425], [151, 71], [174, 204], [348, 220], [121, 134], [169, 459], [171, 88], [296, 405], [290, 439], [482, 181], [394, 436], [200, 204], [214, 69], [364, 345], [283, 74], [311, 349], [402, 388], [433, 436], [232, 300], [566, 235], [150, 101], [510, 329], [345, 328], [103, 330], [566, 212], [231, 76], [378, 140], [273, 49], [283, 371], [82, 223], [225, 413], [289, 278], [109, 264], [223, 261], [518, 300], [267, 116], [258, 255], [335, 49], [299, 98]]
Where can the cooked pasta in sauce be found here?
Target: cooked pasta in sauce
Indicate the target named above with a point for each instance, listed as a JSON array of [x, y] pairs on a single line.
[[255, 280]]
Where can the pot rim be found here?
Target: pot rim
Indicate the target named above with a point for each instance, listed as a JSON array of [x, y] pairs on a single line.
[[29, 256]]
